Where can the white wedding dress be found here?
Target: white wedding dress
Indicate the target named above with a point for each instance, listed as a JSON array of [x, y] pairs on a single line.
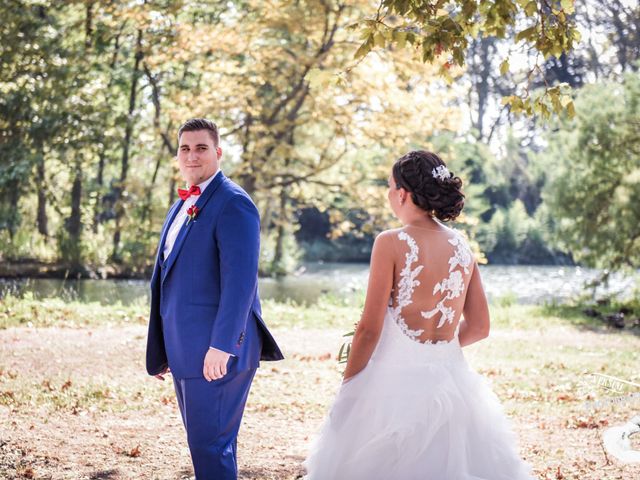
[[417, 410]]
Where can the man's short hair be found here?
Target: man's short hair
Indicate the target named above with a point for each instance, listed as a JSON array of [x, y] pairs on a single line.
[[194, 124]]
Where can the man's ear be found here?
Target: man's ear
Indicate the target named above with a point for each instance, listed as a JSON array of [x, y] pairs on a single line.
[[219, 152]]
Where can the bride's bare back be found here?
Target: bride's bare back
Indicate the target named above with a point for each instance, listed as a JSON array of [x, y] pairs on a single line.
[[428, 281], [432, 270]]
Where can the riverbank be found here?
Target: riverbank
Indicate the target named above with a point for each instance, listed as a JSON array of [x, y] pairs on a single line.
[[75, 402], [33, 268]]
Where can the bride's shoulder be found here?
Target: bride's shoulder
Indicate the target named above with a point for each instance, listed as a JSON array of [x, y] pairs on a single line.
[[391, 232], [388, 235], [385, 239]]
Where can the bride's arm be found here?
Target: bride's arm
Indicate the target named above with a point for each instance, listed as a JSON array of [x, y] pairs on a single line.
[[475, 325], [368, 330]]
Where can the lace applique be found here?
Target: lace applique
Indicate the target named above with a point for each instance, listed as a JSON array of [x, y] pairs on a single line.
[[406, 285], [462, 255], [453, 285]]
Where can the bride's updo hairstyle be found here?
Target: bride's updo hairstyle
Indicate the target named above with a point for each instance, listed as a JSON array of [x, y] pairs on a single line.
[[432, 187]]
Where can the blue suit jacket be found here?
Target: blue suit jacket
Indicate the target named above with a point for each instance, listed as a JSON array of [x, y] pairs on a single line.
[[206, 292]]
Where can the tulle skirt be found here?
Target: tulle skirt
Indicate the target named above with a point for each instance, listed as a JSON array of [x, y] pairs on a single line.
[[416, 412]]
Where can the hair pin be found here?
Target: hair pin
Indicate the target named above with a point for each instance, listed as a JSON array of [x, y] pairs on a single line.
[[441, 172]]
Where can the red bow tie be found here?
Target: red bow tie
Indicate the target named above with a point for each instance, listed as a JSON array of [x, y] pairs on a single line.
[[184, 194]]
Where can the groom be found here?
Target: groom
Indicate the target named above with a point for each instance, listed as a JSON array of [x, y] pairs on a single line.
[[205, 324]]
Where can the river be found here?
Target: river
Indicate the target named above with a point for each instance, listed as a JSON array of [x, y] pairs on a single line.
[[520, 284]]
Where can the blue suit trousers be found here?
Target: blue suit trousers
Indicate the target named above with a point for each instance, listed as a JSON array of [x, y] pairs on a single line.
[[211, 413]]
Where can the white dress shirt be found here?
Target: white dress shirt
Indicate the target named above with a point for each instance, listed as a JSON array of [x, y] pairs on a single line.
[[182, 216]]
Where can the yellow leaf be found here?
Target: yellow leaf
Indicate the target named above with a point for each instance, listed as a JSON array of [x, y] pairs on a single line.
[[504, 67], [531, 9], [319, 78], [565, 100], [400, 38], [568, 6], [508, 100], [378, 40]]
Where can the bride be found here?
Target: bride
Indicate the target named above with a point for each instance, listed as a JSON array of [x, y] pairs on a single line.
[[410, 407]]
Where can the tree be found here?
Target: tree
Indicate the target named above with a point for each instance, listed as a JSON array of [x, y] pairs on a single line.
[[445, 28], [307, 130], [110, 82], [593, 176]]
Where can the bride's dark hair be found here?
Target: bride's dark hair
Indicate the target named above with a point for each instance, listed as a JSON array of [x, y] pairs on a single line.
[[441, 197]]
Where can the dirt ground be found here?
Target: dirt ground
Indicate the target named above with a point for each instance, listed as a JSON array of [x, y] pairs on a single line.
[[76, 403]]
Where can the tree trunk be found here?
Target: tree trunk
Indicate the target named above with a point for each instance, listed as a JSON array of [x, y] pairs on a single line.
[[42, 219], [73, 251], [482, 87], [277, 268], [13, 222], [248, 183], [146, 211], [119, 206], [166, 142], [100, 184], [172, 190]]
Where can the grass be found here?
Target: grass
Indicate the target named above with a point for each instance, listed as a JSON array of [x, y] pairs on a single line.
[[80, 366], [55, 312], [76, 397], [514, 345], [329, 311]]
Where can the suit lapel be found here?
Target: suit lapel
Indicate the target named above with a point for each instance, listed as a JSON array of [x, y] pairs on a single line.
[[175, 208], [185, 229]]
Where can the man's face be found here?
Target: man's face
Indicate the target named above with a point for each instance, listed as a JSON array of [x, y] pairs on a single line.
[[197, 157]]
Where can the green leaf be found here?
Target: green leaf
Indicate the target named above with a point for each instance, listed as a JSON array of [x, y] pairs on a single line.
[[526, 34], [364, 49], [365, 34], [458, 56]]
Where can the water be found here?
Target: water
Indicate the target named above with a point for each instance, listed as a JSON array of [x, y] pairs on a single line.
[[522, 284]]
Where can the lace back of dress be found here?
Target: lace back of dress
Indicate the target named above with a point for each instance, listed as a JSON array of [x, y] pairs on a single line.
[[433, 269]]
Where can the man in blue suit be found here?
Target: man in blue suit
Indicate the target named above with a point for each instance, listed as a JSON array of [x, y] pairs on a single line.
[[206, 324]]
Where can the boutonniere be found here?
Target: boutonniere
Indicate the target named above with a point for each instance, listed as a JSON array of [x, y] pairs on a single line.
[[192, 213]]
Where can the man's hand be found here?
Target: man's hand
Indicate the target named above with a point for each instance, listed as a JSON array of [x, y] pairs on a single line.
[[215, 364], [160, 376]]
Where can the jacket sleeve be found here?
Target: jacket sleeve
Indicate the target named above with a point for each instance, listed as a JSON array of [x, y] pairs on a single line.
[[238, 238]]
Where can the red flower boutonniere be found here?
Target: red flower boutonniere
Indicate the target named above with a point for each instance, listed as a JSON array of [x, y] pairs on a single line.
[[192, 212]]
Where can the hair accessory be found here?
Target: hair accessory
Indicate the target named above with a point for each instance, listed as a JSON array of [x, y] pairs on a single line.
[[441, 172]]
